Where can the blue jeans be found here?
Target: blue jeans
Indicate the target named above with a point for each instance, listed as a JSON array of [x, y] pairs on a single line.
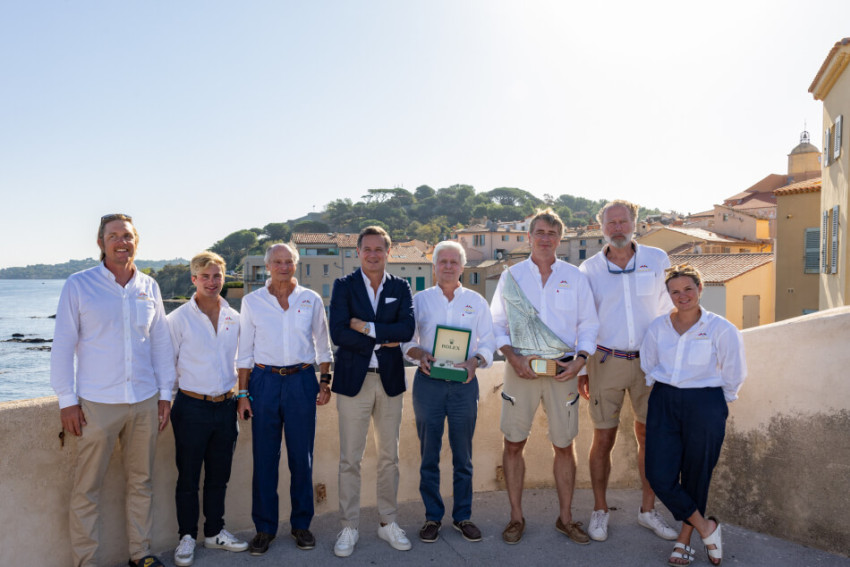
[[685, 428], [433, 402], [204, 434], [284, 407]]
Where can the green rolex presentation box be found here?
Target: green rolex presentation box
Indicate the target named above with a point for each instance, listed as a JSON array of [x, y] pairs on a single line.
[[451, 345]]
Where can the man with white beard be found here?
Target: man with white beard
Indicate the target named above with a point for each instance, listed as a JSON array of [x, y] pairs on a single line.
[[627, 280]]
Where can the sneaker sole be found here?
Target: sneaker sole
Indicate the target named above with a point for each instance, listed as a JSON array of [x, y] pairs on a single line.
[[652, 529], [423, 540], [226, 548], [464, 535], [595, 538], [184, 563], [341, 553], [395, 546]]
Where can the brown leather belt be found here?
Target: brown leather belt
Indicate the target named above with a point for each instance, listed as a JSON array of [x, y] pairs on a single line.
[[284, 370], [221, 398]]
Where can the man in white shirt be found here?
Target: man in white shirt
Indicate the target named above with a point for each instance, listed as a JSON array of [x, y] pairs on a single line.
[[205, 335], [561, 295], [371, 313], [627, 280], [111, 317], [283, 331], [437, 401]]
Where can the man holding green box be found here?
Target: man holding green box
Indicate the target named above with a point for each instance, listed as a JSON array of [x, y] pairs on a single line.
[[453, 323]]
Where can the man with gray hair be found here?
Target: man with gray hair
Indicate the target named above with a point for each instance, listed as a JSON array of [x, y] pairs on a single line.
[[436, 400], [627, 281], [283, 331]]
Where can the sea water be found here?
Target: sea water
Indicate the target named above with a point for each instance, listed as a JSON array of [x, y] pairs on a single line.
[[27, 308]]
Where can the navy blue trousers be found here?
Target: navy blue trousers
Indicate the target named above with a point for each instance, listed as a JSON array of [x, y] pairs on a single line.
[[434, 402], [284, 408], [685, 428], [204, 435]]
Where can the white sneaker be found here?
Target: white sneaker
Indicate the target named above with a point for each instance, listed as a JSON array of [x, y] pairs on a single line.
[[225, 540], [345, 542], [656, 522], [598, 528], [395, 536], [184, 555]]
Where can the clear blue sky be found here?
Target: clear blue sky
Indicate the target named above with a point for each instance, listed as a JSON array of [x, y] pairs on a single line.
[[204, 117]]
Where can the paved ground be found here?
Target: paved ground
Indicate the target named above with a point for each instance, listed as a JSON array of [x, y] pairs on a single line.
[[628, 544]]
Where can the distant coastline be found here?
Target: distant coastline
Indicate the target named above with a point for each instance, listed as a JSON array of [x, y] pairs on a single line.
[[62, 271]]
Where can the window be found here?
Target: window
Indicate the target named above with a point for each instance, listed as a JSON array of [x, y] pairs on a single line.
[[506, 237], [420, 283], [833, 262], [473, 279], [582, 242], [520, 238], [307, 270], [326, 290], [478, 239], [836, 149], [326, 269], [812, 243], [582, 254], [348, 253], [410, 283], [824, 244]]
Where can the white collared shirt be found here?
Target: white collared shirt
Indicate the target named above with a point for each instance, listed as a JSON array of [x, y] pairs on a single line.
[[708, 355], [374, 296], [119, 336], [565, 304], [627, 303], [271, 336], [205, 356], [466, 310]]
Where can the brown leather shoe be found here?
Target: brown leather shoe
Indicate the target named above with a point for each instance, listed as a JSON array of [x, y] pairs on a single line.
[[468, 530], [430, 531], [513, 533], [573, 531]]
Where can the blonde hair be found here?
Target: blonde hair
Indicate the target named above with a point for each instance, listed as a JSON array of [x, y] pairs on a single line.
[[548, 216], [680, 270], [200, 262]]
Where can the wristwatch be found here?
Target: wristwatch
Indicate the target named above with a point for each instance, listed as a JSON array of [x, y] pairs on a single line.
[[366, 328]]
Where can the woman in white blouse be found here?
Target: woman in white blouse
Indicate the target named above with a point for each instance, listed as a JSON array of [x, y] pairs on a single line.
[[695, 359]]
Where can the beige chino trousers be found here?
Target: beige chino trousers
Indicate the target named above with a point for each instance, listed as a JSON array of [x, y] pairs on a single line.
[[370, 404], [135, 426]]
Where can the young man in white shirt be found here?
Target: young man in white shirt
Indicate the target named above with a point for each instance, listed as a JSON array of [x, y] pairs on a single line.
[[627, 280], [205, 335], [283, 331], [561, 295], [111, 319]]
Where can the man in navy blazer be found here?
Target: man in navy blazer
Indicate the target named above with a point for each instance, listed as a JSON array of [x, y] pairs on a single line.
[[371, 313]]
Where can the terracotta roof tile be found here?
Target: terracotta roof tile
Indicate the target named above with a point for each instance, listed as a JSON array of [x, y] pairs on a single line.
[[720, 268], [807, 186], [407, 254]]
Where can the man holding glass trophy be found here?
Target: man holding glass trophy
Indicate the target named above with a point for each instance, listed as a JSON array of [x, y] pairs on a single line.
[[545, 324]]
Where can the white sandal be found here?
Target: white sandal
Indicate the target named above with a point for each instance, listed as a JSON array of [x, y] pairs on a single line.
[[681, 551], [715, 556]]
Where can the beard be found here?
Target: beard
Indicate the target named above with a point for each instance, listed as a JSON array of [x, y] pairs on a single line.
[[619, 241]]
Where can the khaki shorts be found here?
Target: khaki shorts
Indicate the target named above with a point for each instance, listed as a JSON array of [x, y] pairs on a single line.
[[524, 397], [609, 382]]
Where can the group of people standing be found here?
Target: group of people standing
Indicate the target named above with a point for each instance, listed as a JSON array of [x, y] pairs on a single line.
[[632, 323]]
